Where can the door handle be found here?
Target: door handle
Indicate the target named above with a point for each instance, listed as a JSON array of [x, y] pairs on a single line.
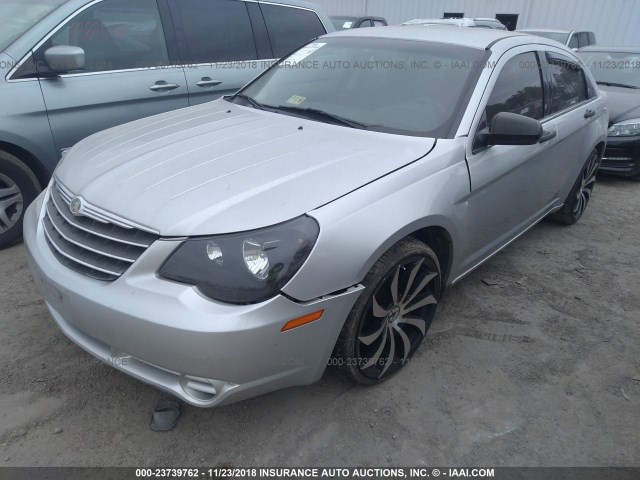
[[589, 113], [547, 135], [206, 82], [163, 86]]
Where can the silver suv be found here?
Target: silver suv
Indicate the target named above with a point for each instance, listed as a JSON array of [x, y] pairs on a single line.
[[69, 68]]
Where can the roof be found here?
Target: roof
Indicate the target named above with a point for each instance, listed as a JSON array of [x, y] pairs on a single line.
[[612, 49], [439, 21], [466, 37], [549, 30], [462, 22]]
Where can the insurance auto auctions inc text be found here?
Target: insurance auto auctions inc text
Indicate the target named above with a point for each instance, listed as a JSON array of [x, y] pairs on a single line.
[[374, 472]]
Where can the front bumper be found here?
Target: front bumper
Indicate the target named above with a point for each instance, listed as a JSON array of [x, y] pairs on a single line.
[[622, 156], [170, 336]]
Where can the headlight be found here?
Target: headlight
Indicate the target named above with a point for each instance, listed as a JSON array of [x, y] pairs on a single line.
[[243, 268], [628, 128]]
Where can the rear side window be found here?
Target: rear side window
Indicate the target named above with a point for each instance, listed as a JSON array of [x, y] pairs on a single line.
[[379, 23], [115, 35], [573, 43], [289, 27], [213, 31], [592, 38], [518, 88], [568, 84]]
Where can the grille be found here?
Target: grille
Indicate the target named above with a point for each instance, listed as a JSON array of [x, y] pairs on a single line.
[[92, 244]]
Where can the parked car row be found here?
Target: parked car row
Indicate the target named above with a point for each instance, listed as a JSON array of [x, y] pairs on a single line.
[[70, 68], [317, 215]]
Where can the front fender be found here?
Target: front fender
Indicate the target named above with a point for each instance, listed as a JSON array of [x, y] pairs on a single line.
[[357, 229]]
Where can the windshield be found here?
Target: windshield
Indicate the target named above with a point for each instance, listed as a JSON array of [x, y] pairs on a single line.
[[613, 67], [18, 16], [393, 86], [557, 36], [343, 23]]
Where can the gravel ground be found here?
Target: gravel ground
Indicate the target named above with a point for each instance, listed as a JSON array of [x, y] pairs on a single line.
[[533, 360]]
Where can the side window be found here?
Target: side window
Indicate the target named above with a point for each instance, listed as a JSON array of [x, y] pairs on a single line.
[[366, 23], [573, 43], [211, 31], [518, 88], [568, 83], [583, 39], [290, 28], [378, 23], [115, 35], [592, 38]]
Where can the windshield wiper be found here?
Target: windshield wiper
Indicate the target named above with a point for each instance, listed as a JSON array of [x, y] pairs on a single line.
[[623, 85], [254, 103], [326, 115]]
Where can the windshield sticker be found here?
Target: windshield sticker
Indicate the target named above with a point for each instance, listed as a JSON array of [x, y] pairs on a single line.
[[347, 24], [296, 100], [304, 52]]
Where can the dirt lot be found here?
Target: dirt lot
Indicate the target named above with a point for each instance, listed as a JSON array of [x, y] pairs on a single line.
[[534, 359]]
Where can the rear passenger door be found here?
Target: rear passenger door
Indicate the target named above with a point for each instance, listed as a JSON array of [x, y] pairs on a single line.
[[220, 44], [572, 104]]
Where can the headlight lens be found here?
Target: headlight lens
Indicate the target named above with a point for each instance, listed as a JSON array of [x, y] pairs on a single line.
[[628, 128], [243, 268]]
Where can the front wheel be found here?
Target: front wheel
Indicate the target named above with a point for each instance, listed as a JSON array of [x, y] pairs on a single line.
[[579, 196], [391, 318], [18, 188]]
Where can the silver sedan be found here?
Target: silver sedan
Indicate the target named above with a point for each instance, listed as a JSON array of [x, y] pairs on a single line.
[[318, 215]]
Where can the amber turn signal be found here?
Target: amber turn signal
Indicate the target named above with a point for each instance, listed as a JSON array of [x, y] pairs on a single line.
[[298, 322]]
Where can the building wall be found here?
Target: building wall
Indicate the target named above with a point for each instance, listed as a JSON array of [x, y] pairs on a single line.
[[615, 22]]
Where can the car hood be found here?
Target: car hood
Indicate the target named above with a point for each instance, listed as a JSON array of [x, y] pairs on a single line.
[[221, 168], [624, 103]]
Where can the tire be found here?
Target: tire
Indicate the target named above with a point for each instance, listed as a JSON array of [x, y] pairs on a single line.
[[580, 194], [379, 336], [18, 188]]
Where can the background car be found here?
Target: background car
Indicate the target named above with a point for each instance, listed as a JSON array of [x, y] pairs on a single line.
[[617, 72], [459, 22], [69, 68], [571, 38], [318, 214], [346, 23]]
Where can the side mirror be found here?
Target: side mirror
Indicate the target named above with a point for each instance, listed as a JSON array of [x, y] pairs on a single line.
[[64, 59], [510, 129]]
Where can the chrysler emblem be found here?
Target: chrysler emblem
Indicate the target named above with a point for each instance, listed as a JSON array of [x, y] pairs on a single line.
[[76, 205]]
